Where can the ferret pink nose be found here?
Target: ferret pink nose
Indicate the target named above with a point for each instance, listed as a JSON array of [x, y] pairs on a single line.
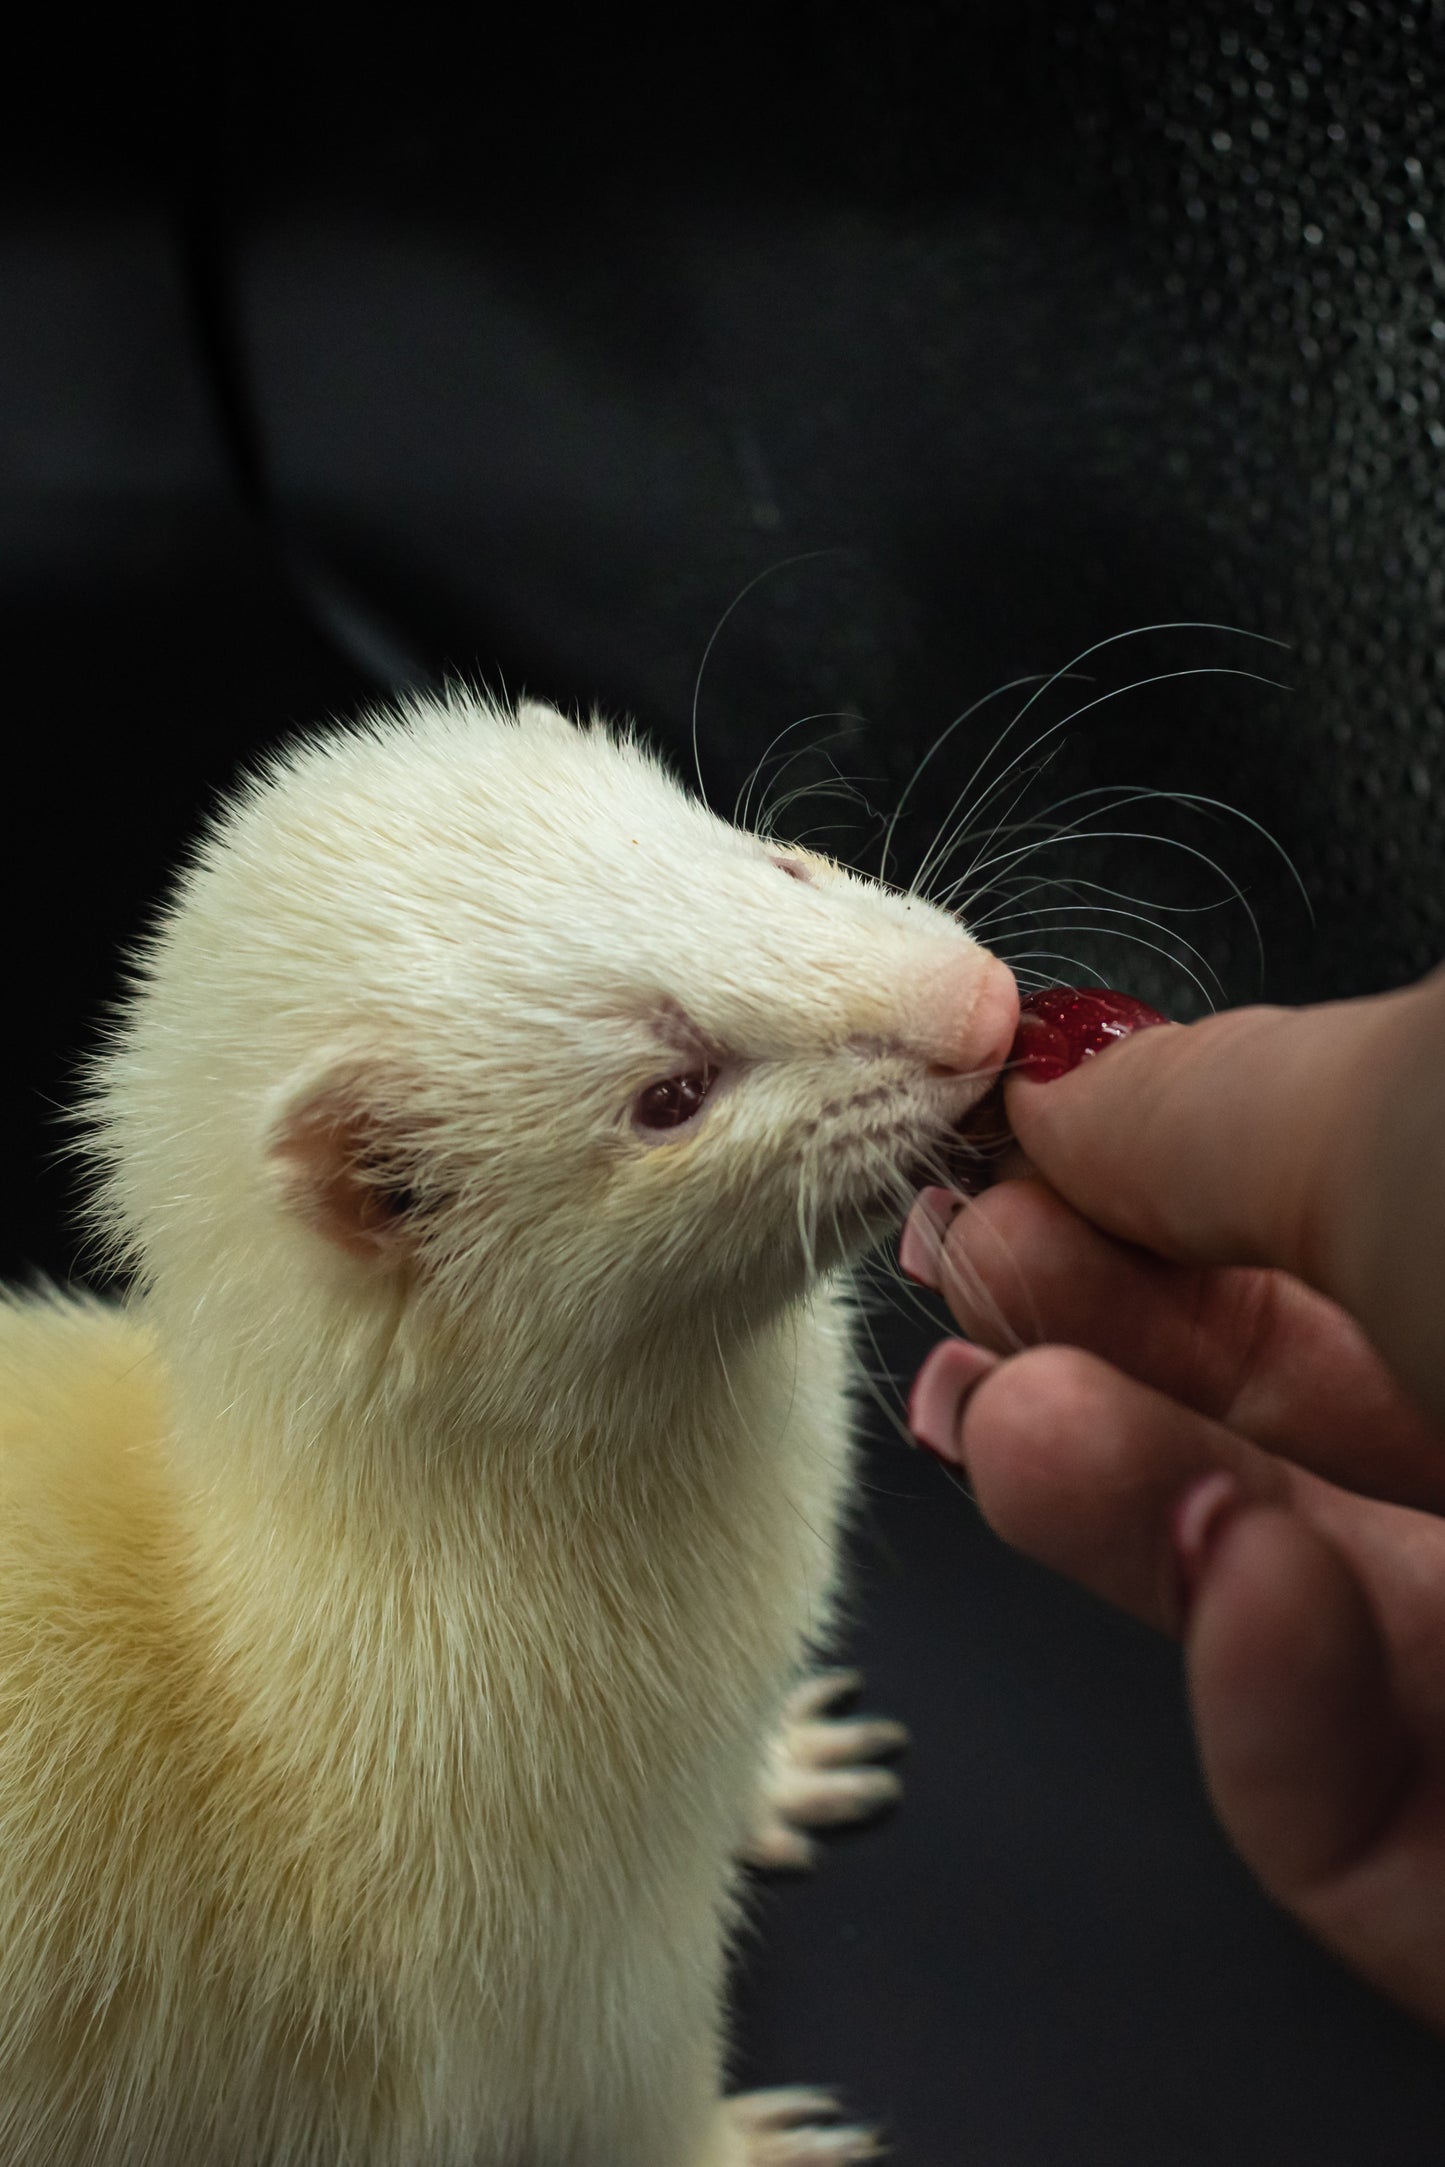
[[975, 1015]]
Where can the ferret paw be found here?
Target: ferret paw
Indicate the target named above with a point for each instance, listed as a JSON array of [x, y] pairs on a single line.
[[791, 2128], [821, 1771]]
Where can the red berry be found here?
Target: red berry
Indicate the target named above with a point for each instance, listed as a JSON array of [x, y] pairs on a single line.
[[1064, 1025]]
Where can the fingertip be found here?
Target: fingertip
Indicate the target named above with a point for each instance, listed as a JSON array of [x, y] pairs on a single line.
[[925, 1231], [1303, 1747], [1057, 1468], [1089, 1472], [940, 1392], [1199, 1520]]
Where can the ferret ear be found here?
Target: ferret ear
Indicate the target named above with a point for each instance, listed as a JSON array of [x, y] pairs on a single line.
[[537, 715], [343, 1171]]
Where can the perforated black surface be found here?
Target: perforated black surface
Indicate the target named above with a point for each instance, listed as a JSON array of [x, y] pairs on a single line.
[[1280, 170], [344, 358]]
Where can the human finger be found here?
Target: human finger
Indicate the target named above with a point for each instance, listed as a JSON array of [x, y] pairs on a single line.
[[1254, 1350], [1311, 1760], [1082, 1468]]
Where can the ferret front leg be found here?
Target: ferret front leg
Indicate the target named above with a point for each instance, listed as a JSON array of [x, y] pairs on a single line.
[[786, 2128], [820, 1771]]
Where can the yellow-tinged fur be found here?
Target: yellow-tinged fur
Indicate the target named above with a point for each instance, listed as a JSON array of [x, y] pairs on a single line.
[[396, 1595]]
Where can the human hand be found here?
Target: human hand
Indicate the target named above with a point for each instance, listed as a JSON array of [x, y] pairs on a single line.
[[1228, 1284]]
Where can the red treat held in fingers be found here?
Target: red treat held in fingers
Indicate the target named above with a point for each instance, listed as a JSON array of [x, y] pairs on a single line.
[[1064, 1025], [1057, 1029]]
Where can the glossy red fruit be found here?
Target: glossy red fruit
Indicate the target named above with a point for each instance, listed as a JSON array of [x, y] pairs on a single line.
[[1064, 1025]]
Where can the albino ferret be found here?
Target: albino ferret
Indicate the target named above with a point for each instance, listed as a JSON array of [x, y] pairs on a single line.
[[399, 1593]]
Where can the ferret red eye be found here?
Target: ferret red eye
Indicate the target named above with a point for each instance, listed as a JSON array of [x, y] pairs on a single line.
[[676, 1099], [794, 868]]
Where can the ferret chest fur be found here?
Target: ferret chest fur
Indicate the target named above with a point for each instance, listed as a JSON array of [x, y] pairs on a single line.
[[558, 1648], [431, 1758]]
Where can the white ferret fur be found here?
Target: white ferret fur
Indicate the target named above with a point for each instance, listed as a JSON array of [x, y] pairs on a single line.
[[398, 1593]]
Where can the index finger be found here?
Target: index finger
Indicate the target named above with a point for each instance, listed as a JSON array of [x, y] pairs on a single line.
[[1311, 1140], [1254, 1351]]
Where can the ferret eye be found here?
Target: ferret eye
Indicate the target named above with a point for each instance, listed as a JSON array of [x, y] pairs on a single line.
[[668, 1104], [794, 868]]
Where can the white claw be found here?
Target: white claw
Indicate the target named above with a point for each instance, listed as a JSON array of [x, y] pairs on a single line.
[[832, 1797], [821, 1772], [782, 2129], [778, 1847], [781, 2108], [850, 1738], [824, 1690]]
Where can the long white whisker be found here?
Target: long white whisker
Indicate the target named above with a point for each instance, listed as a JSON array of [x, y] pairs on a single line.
[[842, 786], [1071, 669], [1115, 639], [1073, 966], [954, 832], [936, 747], [1166, 842], [1012, 895], [1077, 831], [1043, 925], [1045, 824], [1039, 955], [738, 599], [1140, 793], [744, 797], [1141, 684]]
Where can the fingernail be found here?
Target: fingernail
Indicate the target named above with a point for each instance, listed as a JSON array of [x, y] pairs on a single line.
[[940, 1391], [1199, 1518], [920, 1250], [1065, 1025]]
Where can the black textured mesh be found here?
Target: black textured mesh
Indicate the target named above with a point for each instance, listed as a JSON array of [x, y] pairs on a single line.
[[1280, 168]]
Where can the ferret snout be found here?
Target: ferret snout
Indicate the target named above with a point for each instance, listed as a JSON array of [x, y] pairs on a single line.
[[967, 1016]]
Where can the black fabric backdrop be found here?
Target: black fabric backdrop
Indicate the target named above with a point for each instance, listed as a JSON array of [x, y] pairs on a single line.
[[336, 357]]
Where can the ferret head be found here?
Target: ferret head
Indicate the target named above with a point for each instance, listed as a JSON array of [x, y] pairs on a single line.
[[471, 1035]]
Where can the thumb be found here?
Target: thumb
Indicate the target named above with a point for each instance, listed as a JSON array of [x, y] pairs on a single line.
[[1306, 1754]]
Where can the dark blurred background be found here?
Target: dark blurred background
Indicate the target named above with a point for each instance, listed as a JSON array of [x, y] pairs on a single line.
[[337, 356]]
